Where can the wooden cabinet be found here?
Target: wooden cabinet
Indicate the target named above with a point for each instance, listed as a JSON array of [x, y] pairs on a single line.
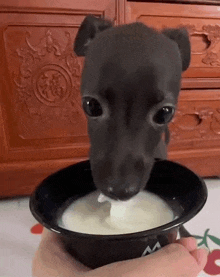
[[42, 125]]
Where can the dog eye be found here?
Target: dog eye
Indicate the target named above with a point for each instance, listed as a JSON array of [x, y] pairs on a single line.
[[92, 107], [164, 115]]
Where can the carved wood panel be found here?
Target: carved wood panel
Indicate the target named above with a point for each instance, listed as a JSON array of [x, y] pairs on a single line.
[[195, 132], [203, 24], [196, 124], [42, 105], [40, 113], [45, 83]]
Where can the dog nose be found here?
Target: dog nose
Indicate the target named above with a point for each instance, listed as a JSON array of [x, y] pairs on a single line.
[[122, 192], [121, 195]]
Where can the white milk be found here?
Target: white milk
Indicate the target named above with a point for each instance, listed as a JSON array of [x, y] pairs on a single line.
[[97, 214]]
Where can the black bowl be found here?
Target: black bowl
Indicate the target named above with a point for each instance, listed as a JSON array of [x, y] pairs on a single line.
[[183, 190]]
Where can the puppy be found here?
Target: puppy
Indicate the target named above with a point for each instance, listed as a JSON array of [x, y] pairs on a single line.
[[130, 87]]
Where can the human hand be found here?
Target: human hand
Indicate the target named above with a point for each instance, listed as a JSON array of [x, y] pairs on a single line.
[[175, 260]]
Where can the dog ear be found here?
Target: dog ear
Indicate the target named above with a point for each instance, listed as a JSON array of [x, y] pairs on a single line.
[[181, 37], [90, 26]]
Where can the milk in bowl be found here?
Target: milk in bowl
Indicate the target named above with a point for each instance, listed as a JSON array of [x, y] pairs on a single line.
[[99, 215]]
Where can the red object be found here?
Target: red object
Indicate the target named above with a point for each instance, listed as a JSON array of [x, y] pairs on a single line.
[[37, 229], [211, 267]]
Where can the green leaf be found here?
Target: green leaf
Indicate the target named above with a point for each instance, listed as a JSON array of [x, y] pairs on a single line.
[[201, 243], [214, 239]]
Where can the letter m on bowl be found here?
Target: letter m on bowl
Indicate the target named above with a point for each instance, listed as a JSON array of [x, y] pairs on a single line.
[[149, 250]]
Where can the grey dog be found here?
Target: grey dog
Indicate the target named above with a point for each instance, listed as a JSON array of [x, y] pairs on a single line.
[[130, 87]]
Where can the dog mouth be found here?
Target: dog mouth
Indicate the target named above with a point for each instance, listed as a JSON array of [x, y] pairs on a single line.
[[119, 189], [122, 196], [123, 191]]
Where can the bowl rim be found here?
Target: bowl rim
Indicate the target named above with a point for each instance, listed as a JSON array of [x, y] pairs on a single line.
[[176, 223]]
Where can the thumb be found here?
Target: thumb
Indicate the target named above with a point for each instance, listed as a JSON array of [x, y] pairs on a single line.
[[173, 260]]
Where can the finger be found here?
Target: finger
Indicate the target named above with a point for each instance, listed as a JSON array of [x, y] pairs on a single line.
[[189, 243], [201, 256], [173, 260]]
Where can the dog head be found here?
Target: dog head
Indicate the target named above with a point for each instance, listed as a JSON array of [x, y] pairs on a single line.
[[130, 86]]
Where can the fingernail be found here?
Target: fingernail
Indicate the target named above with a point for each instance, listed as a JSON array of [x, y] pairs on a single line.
[[205, 248]]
